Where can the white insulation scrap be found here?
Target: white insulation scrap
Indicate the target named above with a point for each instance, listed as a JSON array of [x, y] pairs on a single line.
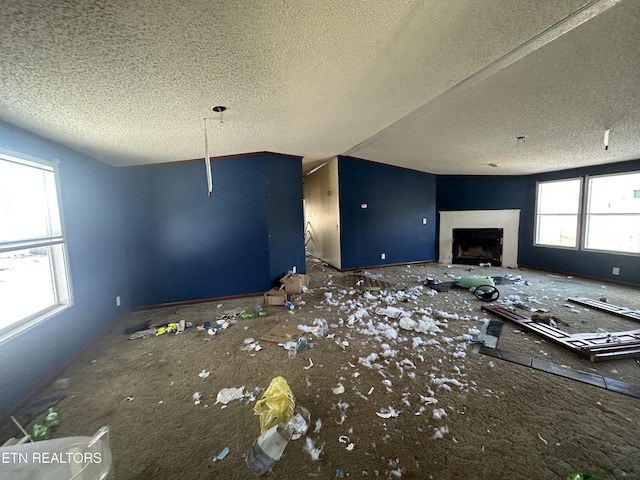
[[444, 382], [368, 360], [448, 316], [387, 351], [439, 432], [311, 449], [439, 413], [318, 426], [474, 331]]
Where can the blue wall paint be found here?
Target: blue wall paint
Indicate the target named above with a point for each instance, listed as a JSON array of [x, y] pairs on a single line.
[[188, 246], [462, 192], [194, 246], [92, 202], [285, 216], [480, 193], [577, 262], [397, 201]]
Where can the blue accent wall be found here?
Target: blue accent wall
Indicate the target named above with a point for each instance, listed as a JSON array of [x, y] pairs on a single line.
[[92, 202], [285, 216], [189, 246], [576, 262], [397, 200], [468, 192]]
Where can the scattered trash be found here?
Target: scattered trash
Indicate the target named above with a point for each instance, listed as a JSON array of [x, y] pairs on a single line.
[[42, 430], [339, 473], [204, 374], [128, 399], [311, 449], [196, 398], [439, 433], [309, 366], [143, 333], [276, 405], [268, 448], [231, 314], [475, 281], [582, 476], [390, 312], [222, 454], [227, 395], [389, 413], [338, 390], [540, 437]]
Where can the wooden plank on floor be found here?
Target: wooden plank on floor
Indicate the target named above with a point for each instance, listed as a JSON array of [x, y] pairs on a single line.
[[595, 347], [566, 372], [607, 307]]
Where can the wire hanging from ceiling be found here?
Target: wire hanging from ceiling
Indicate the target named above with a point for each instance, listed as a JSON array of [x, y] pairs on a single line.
[[207, 159]]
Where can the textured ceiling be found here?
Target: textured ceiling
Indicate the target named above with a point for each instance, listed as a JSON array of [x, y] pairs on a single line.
[[438, 86]]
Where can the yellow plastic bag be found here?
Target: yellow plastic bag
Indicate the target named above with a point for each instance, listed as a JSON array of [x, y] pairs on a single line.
[[276, 405]]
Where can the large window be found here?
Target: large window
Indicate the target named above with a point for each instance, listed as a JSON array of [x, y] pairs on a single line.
[[612, 217], [33, 271], [558, 213]]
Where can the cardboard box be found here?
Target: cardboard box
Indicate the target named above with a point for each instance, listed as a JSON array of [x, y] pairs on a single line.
[[282, 334], [275, 297], [294, 282]]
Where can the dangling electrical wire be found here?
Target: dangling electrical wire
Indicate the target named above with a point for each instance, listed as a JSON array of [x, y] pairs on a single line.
[[207, 159]]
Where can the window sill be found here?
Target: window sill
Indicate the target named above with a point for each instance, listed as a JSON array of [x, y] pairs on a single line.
[[23, 326]]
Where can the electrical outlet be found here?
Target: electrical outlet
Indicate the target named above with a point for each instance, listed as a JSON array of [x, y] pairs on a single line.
[[294, 269], [118, 301], [383, 256], [424, 221], [615, 271]]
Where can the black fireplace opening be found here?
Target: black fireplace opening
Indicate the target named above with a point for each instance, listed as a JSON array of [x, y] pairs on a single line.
[[472, 246]]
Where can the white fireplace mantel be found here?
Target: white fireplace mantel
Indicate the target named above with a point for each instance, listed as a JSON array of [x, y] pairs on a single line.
[[508, 220]]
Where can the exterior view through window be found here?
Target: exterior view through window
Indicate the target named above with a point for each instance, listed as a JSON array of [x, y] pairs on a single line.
[[33, 269], [612, 220], [557, 213]]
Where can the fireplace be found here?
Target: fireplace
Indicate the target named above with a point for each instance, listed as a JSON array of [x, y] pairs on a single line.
[[472, 246], [506, 220]]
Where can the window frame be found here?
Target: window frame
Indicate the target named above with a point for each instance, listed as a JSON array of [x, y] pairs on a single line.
[[586, 214], [578, 214], [56, 243]]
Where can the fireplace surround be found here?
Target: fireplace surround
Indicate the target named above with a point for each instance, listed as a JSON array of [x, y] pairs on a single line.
[[507, 220]]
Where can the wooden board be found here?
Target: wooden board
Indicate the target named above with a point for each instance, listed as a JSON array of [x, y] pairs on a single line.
[[593, 346], [607, 307]]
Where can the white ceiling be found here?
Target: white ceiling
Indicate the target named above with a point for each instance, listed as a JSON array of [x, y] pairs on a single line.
[[438, 86]]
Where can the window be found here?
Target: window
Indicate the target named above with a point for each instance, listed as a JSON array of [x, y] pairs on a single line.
[[612, 220], [33, 270], [557, 213]]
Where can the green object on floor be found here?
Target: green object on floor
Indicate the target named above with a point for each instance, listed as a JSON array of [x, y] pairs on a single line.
[[475, 281], [39, 432], [582, 476]]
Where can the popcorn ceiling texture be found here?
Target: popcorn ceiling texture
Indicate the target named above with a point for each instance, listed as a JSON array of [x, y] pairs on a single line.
[[130, 82]]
